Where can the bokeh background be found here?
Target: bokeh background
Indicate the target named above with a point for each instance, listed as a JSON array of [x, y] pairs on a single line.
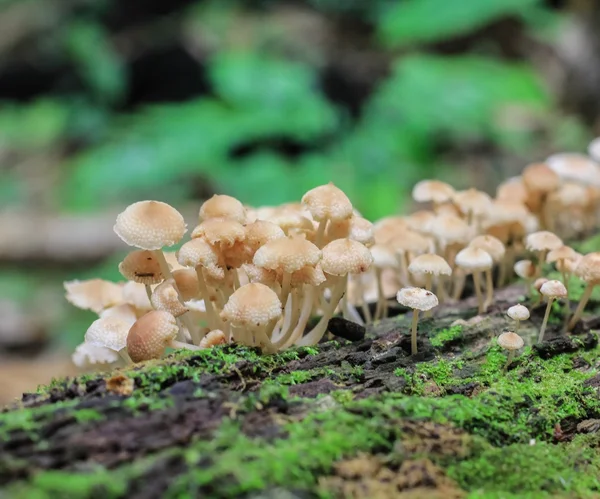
[[105, 102]]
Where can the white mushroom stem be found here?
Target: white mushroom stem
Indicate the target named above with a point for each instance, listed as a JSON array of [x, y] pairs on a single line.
[[262, 334], [285, 288], [401, 257], [441, 291], [381, 309], [582, 303], [509, 359], [186, 346], [545, 321], [125, 356], [321, 233], [214, 322], [413, 334], [349, 311], [489, 289], [291, 315], [517, 327], [192, 328], [296, 333], [148, 291], [477, 285], [315, 335], [459, 286], [540, 264]]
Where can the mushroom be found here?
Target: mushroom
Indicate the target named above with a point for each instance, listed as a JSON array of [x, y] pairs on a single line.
[[558, 257], [223, 206], [518, 313], [383, 258], [588, 269], [152, 334], [419, 300], [542, 242], [431, 265], [432, 191], [552, 290], [87, 355], [537, 285], [512, 342], [474, 204], [253, 311], [93, 294], [525, 270], [475, 260], [327, 203], [496, 250], [540, 181], [109, 332], [143, 267], [213, 338]]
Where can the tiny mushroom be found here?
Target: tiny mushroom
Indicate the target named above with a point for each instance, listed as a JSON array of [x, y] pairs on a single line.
[[109, 332], [213, 338], [512, 342], [142, 266], [431, 265], [518, 313], [223, 206], [496, 250], [552, 290], [419, 300], [588, 269], [475, 260], [541, 243]]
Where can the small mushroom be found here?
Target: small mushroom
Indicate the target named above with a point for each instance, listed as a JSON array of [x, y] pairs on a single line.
[[552, 290], [525, 269], [213, 338], [419, 300], [512, 342], [223, 206], [142, 266], [537, 285], [518, 313], [475, 260], [541, 243], [109, 332], [496, 250], [588, 269], [431, 265]]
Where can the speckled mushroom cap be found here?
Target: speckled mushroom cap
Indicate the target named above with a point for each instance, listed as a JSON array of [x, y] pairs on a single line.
[[525, 269], [576, 167], [93, 294], [383, 256], [562, 253], [510, 341], [429, 263], [141, 266], [260, 232], [198, 253], [356, 228], [432, 190], [491, 245], [539, 177], [223, 206], [543, 241], [220, 232], [135, 295], [411, 242], [87, 355], [417, 299], [213, 338], [474, 259], [287, 254], [124, 312], [187, 283], [588, 268], [252, 305], [345, 256], [258, 274], [313, 276], [150, 225], [554, 289], [450, 229], [150, 335], [109, 332], [292, 222], [472, 201], [518, 312], [327, 202], [165, 297]]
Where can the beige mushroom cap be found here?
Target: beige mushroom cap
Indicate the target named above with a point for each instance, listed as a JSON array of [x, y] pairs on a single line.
[[491, 245], [223, 206], [562, 253], [588, 268], [220, 232], [383, 256], [150, 335], [187, 283], [429, 263], [420, 221], [150, 225], [571, 195], [474, 259], [554, 289], [538, 283], [512, 190], [87, 355], [165, 297], [543, 241], [539, 177], [417, 299], [313, 276], [432, 190], [292, 222], [518, 312], [198, 253], [510, 341], [525, 269], [109, 332], [93, 294], [141, 266], [213, 338], [135, 295], [473, 201], [576, 167], [450, 229], [287, 254], [124, 312], [259, 274], [345, 256], [327, 202], [252, 305], [356, 228], [260, 232]]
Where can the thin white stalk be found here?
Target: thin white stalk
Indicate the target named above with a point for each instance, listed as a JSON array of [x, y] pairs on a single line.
[[185, 346], [214, 322], [477, 284], [545, 321], [413, 334], [295, 332], [582, 303]]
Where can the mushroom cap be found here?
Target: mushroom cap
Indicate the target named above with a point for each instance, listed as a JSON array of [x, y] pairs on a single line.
[[187, 283], [356, 228], [141, 266], [474, 259], [87, 355], [473, 201], [491, 245], [411, 242], [525, 269], [420, 221], [513, 190], [313, 276], [571, 195], [388, 228], [287, 254], [505, 212], [150, 225], [292, 222], [150, 335], [429, 263], [417, 299], [574, 166], [450, 229], [432, 190], [327, 202], [518, 312], [569, 264], [124, 312], [345, 256], [562, 253], [543, 241], [252, 305], [510, 341], [260, 232], [383, 256], [259, 274], [588, 268], [198, 253], [553, 289], [93, 294], [108, 332], [213, 338], [223, 206], [165, 297], [538, 283], [135, 295], [221, 232], [539, 177]]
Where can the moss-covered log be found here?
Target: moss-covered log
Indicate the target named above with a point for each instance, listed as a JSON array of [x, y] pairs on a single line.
[[342, 419]]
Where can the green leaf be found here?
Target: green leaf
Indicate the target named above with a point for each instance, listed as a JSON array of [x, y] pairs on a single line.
[[422, 21]]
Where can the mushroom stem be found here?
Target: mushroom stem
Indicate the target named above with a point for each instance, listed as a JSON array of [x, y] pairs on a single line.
[[477, 285], [213, 319], [428, 287], [459, 286], [148, 292], [285, 288], [517, 328], [582, 303], [186, 346], [192, 328], [413, 336], [321, 233], [349, 311], [296, 333], [489, 289], [540, 263], [381, 309], [545, 321], [125, 356], [164, 266], [402, 267], [509, 359]]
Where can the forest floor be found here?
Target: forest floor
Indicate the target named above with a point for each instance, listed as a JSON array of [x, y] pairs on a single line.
[[340, 419]]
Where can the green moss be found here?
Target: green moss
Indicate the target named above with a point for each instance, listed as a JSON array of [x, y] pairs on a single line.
[[87, 415], [446, 335]]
